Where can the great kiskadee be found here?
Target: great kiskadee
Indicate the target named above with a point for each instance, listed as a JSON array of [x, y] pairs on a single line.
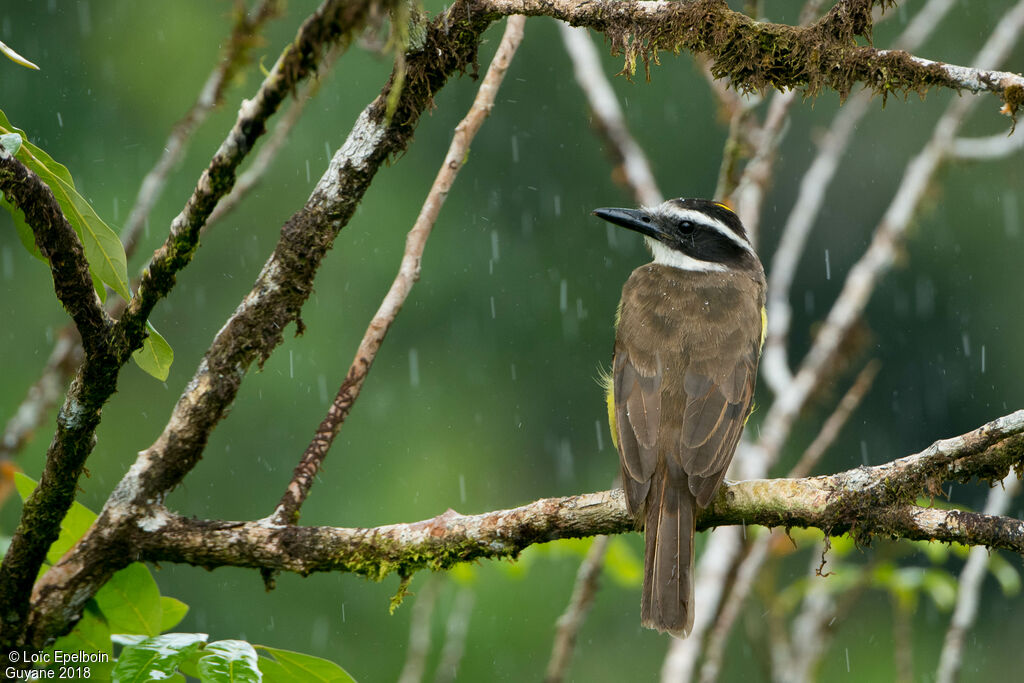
[[689, 331]]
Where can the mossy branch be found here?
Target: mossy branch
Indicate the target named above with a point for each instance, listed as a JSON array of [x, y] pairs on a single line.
[[867, 501], [756, 56]]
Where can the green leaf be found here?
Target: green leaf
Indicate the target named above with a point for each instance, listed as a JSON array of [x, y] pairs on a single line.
[[103, 249], [15, 57], [10, 141], [155, 356], [300, 667], [228, 661], [130, 601], [156, 658], [90, 635], [173, 612], [72, 527]]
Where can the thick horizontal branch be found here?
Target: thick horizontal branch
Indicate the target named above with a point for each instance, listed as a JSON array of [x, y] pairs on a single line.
[[867, 500]]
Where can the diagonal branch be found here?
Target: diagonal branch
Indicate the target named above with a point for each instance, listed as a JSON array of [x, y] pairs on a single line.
[[287, 511], [59, 243], [257, 325], [243, 36]]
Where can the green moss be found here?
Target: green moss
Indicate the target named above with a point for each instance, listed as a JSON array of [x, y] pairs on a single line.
[[755, 56]]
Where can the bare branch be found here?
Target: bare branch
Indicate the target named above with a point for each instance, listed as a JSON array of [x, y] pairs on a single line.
[[880, 255], [986, 148], [608, 118], [774, 362], [408, 273], [969, 586], [568, 625], [247, 25]]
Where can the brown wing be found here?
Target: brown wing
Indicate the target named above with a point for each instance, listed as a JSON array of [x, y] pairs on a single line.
[[716, 408], [637, 418]]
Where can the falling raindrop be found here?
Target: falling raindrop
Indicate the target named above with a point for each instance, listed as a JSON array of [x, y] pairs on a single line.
[[494, 312], [828, 267], [321, 385], [983, 359], [966, 341], [291, 364], [600, 435], [327, 150], [513, 369], [864, 451], [307, 171], [60, 120], [462, 488], [515, 150], [495, 254], [1011, 213], [563, 295], [414, 368], [565, 468], [116, 207], [84, 19], [343, 613]]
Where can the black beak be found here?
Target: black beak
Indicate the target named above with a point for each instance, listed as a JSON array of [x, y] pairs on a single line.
[[632, 219]]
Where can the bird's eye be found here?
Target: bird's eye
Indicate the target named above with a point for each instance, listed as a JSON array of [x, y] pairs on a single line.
[[687, 227]]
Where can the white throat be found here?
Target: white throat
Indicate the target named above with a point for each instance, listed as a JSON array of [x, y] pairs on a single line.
[[664, 256]]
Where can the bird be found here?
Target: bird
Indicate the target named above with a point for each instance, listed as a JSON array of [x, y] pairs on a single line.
[[688, 336]]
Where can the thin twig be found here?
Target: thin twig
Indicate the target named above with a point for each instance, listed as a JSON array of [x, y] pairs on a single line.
[[986, 148], [568, 625], [608, 117], [287, 510], [969, 586], [247, 25]]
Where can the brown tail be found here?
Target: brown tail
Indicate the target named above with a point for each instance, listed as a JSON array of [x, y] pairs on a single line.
[[667, 602]]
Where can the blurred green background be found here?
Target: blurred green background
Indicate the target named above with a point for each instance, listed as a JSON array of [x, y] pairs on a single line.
[[484, 394]]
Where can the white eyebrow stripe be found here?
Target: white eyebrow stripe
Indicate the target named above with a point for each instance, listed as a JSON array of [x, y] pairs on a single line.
[[702, 219], [665, 256]]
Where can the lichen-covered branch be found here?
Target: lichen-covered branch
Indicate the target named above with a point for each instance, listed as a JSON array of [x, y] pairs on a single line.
[[77, 420], [756, 55], [867, 501], [334, 21], [257, 325]]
